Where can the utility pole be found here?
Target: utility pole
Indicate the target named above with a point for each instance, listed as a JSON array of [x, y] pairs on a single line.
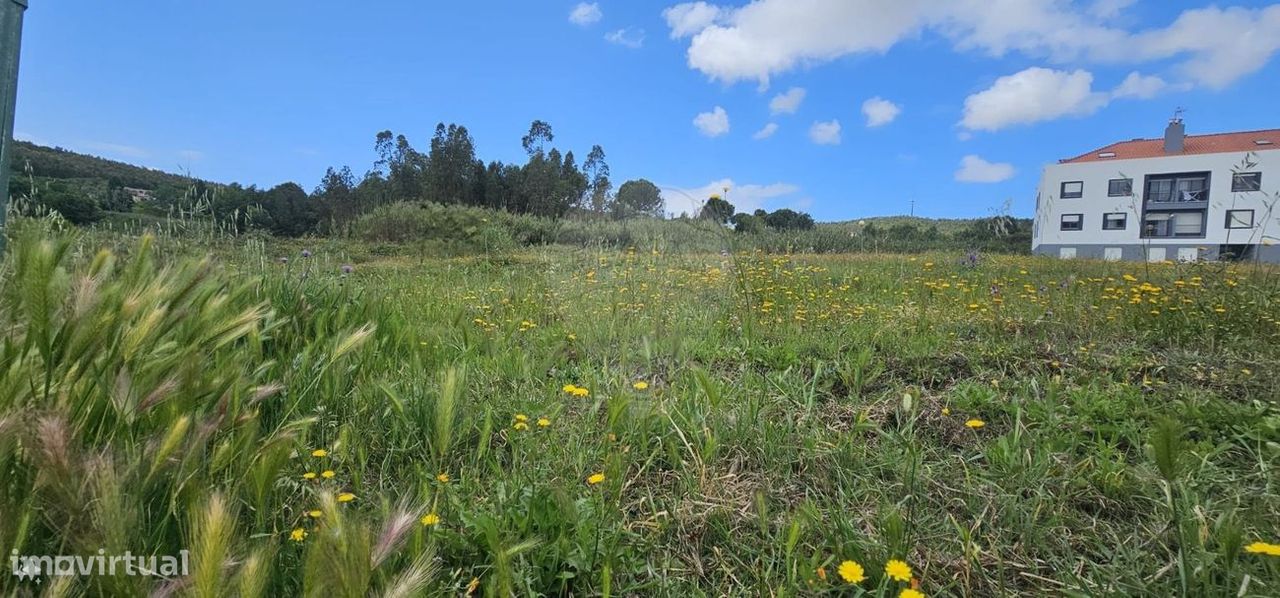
[[10, 43], [913, 208]]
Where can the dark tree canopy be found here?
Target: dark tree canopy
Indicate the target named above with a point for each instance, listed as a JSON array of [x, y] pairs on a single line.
[[717, 209], [639, 197]]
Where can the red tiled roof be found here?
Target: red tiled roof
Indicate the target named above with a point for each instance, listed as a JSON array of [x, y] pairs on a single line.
[[1216, 143]]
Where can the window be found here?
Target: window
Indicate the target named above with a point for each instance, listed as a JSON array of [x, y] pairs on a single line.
[[1072, 190], [1114, 221], [1072, 222], [1246, 181], [1189, 223], [1239, 218], [1119, 187], [1178, 188]]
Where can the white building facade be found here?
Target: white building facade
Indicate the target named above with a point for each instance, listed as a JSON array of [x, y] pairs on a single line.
[[1183, 197]]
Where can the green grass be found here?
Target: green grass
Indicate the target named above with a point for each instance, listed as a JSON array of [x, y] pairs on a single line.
[[797, 411]]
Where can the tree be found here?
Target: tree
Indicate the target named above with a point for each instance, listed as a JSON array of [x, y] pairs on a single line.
[[336, 194], [597, 173], [717, 209], [638, 197], [450, 167], [539, 136], [748, 223], [292, 213], [786, 219]]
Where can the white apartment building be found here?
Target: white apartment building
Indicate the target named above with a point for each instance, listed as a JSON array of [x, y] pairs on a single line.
[[1183, 197]]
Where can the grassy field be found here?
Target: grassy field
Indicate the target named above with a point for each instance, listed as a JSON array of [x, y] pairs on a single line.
[[570, 422]]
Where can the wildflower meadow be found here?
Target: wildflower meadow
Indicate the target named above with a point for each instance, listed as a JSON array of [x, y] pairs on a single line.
[[330, 417]]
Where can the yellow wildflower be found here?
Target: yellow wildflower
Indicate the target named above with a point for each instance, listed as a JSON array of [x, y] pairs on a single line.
[[975, 423], [520, 417], [315, 513], [946, 411], [595, 478], [310, 475], [580, 392], [898, 570], [851, 572], [327, 474], [521, 426], [430, 519], [910, 593], [319, 453], [298, 534], [641, 385], [346, 497], [443, 478], [1263, 548], [543, 422], [473, 585]]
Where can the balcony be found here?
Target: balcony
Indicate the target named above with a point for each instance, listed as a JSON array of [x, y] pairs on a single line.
[[1177, 191]]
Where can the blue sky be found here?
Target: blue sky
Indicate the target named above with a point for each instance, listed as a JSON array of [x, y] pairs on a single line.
[[975, 96]]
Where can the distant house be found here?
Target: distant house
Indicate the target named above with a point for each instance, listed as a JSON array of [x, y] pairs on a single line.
[[1183, 197], [139, 195]]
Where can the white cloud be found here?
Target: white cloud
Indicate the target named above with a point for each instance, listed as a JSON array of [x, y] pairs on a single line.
[[714, 123], [787, 103], [1220, 45], [745, 198], [1032, 95], [880, 111], [766, 132], [630, 38], [1140, 86], [691, 17], [825, 133], [585, 14], [974, 169], [1109, 9], [1210, 46]]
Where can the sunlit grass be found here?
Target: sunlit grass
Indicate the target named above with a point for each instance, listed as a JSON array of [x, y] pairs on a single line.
[[563, 421]]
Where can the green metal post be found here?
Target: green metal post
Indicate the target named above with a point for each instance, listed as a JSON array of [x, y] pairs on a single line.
[[10, 45]]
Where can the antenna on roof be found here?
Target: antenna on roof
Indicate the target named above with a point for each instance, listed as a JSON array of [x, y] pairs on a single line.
[[1177, 114]]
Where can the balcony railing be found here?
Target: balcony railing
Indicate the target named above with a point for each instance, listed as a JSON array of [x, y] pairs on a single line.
[[1175, 196]]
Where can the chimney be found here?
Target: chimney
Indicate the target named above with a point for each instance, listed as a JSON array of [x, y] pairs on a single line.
[[1174, 134]]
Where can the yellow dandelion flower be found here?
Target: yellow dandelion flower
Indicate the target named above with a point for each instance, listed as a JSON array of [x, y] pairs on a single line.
[[910, 593], [520, 417], [569, 388], [975, 423], [580, 392], [1263, 548], [430, 519], [443, 478], [641, 385], [327, 474], [310, 475], [543, 422], [319, 453], [315, 514], [898, 570], [521, 426], [946, 411], [298, 534], [346, 497], [595, 478], [851, 572]]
